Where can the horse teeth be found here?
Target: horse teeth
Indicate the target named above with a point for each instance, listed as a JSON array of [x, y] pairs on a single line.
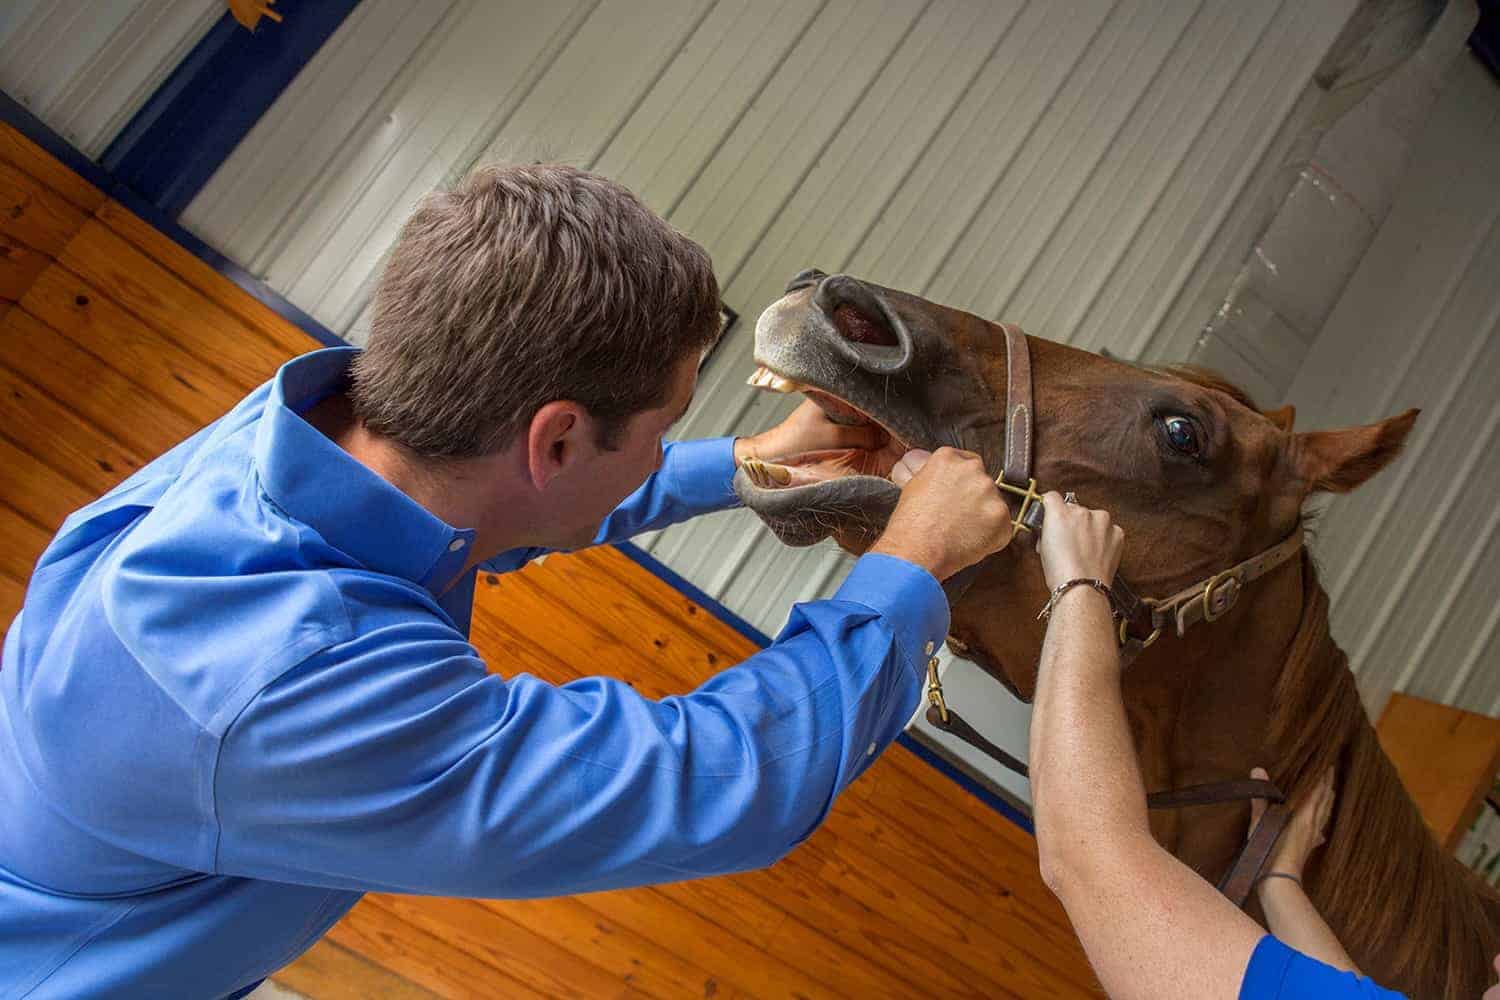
[[764, 378], [766, 475]]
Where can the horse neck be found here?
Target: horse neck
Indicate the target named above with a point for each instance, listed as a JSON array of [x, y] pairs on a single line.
[[1409, 915]]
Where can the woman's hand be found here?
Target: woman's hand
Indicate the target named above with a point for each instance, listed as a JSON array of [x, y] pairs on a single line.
[[1304, 832], [1078, 543]]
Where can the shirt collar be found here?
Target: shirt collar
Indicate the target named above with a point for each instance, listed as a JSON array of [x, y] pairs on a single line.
[[356, 511]]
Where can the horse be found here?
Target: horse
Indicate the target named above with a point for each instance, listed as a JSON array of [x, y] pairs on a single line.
[[1200, 478]]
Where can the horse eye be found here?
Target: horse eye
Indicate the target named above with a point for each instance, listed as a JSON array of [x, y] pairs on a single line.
[[1181, 434]]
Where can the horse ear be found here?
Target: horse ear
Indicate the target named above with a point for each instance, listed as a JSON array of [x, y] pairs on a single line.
[[1283, 416], [1338, 461]]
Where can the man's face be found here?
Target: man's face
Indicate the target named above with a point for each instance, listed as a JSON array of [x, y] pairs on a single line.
[[608, 477]]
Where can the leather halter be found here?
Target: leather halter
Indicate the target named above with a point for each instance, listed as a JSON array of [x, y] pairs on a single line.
[[1142, 622]]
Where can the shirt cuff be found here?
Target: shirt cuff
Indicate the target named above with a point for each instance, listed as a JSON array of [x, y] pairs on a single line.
[[908, 596], [703, 473]]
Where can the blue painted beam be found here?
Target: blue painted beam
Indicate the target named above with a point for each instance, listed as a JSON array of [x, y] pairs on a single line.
[[199, 114]]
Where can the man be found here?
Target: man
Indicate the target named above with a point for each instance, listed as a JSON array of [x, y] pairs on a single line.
[[1150, 925], [240, 692]]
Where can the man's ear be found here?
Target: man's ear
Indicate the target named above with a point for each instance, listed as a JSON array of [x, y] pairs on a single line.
[[554, 440], [1283, 416], [1337, 461]]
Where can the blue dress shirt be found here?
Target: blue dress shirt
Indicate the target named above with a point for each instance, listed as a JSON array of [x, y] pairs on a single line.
[[1277, 972], [240, 694]]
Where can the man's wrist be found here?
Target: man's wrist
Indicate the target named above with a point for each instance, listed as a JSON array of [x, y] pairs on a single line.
[[749, 447], [924, 556]]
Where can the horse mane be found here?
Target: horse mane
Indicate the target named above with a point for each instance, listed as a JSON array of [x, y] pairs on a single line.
[[1409, 914]]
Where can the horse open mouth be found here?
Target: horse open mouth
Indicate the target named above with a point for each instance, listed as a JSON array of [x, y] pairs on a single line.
[[806, 497]]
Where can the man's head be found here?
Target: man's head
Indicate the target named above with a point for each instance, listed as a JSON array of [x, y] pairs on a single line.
[[538, 310]]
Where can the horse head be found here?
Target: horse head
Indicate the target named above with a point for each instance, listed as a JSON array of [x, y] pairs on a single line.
[[1196, 474]]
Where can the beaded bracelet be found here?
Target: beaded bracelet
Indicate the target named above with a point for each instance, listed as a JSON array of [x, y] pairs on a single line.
[[1063, 588]]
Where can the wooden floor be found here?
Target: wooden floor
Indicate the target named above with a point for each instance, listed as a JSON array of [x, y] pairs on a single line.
[[115, 343]]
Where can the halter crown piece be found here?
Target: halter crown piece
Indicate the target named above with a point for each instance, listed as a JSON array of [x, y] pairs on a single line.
[[1142, 622]]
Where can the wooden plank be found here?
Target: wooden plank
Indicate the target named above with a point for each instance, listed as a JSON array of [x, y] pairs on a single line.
[[255, 315], [21, 152], [731, 960], [560, 961], [19, 267], [329, 971], [79, 311], [143, 422], [163, 301], [421, 958], [1447, 759], [21, 543], [12, 594], [36, 490], [54, 435], [34, 215], [609, 563]]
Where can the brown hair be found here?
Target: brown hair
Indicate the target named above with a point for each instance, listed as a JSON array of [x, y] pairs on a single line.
[[524, 285]]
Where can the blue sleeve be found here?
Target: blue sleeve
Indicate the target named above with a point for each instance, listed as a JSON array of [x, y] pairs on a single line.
[[396, 762], [694, 479], [1277, 972]]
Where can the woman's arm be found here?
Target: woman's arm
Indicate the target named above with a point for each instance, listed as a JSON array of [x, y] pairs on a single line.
[[1150, 925], [1289, 913]]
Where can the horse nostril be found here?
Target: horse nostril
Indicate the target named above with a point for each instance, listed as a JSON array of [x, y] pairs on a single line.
[[853, 324], [802, 279]]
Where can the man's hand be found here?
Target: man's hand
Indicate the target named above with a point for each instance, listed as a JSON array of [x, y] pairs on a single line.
[[807, 429], [1078, 543], [950, 514]]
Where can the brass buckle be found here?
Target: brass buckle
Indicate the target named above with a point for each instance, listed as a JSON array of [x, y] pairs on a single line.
[[1028, 497], [1125, 636], [1214, 582], [935, 689]]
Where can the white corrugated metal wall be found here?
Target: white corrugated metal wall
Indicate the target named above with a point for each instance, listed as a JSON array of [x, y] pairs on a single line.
[[85, 66], [1095, 171], [1412, 561]]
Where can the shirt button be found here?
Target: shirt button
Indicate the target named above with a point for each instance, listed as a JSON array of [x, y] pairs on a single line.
[[456, 544], [927, 649], [870, 751]]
